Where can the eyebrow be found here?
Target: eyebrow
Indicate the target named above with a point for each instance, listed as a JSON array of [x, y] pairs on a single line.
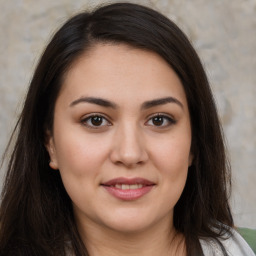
[[109, 104], [97, 101], [161, 101]]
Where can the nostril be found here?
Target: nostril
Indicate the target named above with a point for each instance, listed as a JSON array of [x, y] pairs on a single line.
[[129, 150]]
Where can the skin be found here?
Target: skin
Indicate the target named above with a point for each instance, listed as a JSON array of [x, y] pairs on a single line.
[[127, 142]]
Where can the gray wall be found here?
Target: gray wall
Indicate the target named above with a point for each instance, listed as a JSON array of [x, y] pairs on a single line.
[[222, 31]]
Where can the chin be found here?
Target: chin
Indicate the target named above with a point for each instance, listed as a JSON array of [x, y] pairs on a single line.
[[130, 224]]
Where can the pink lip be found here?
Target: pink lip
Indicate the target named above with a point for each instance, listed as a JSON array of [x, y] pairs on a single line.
[[128, 181], [128, 194]]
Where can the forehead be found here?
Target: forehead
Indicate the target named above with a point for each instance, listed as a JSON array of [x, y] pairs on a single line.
[[120, 71]]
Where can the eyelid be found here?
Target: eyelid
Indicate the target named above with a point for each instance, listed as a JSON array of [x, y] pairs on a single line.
[[91, 115], [169, 117], [86, 117]]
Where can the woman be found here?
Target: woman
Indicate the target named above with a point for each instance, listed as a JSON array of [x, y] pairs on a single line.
[[119, 150]]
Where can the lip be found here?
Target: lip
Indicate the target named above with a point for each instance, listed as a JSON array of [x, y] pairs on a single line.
[[128, 181], [128, 194]]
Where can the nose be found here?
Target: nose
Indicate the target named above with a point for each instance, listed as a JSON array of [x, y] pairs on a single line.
[[128, 147]]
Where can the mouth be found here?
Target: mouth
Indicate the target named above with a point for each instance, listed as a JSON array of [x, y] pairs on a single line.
[[126, 186], [128, 189]]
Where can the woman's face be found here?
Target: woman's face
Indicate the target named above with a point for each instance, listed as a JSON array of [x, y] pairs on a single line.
[[121, 139]]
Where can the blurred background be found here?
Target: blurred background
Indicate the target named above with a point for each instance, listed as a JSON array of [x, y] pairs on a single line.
[[224, 35]]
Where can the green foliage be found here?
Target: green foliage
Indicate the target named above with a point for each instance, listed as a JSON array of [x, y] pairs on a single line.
[[250, 237]]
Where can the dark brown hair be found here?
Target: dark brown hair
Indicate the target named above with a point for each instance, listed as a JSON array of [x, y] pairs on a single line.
[[36, 213]]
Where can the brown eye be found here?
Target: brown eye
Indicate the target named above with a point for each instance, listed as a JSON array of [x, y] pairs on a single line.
[[160, 121], [95, 121]]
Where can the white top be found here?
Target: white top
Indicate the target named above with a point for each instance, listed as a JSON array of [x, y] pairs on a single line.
[[235, 246]]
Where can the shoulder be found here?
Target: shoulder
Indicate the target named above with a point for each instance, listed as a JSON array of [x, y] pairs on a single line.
[[234, 245]]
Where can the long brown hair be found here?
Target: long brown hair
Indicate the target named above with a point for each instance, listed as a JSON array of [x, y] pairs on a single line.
[[36, 213]]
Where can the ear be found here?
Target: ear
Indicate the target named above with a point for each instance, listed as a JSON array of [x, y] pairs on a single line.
[[190, 159], [50, 147]]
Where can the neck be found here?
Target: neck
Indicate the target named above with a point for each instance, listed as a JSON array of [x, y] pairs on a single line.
[[160, 240]]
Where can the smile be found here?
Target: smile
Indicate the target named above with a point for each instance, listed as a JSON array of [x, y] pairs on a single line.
[[126, 186], [128, 189]]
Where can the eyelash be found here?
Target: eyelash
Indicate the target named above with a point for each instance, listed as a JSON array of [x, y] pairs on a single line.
[[85, 121], [166, 118]]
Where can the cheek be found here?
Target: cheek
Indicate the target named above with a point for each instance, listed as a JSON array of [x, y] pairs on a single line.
[[172, 154], [80, 161], [171, 159], [81, 155]]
